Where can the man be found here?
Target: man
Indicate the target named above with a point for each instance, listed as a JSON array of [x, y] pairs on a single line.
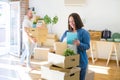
[[28, 41]]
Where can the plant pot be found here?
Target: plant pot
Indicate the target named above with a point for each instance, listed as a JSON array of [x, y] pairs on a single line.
[[50, 29], [34, 25]]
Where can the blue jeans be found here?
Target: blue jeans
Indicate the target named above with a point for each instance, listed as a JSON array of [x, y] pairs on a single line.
[[83, 73], [27, 51]]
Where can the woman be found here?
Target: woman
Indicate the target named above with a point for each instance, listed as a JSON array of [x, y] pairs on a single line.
[[75, 24]]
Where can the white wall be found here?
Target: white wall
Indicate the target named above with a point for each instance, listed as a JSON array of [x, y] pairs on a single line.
[[96, 14]]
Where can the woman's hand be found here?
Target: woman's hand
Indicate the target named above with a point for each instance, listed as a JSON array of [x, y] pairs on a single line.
[[76, 42]]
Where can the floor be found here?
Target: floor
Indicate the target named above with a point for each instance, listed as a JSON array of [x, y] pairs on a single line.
[[103, 72], [11, 70]]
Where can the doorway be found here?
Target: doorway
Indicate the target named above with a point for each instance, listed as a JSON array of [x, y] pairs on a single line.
[[15, 28], [10, 28], [4, 27]]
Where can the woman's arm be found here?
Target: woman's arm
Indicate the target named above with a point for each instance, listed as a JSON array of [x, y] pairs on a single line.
[[63, 36], [84, 43]]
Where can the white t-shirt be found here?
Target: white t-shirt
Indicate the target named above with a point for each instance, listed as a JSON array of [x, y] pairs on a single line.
[[26, 23]]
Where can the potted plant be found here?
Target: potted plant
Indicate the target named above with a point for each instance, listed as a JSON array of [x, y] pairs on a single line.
[[50, 21], [34, 24]]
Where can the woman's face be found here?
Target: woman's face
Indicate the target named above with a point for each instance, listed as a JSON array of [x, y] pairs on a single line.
[[71, 22]]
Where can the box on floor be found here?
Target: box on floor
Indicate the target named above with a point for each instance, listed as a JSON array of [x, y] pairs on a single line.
[[90, 75], [50, 72], [41, 54]]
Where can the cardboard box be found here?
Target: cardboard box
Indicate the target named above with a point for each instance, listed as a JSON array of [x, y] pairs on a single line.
[[56, 73], [62, 61], [49, 42], [52, 36], [60, 47], [39, 33], [90, 75], [95, 35], [41, 54]]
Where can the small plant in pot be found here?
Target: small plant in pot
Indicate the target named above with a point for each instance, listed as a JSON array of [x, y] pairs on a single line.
[[34, 24], [50, 21]]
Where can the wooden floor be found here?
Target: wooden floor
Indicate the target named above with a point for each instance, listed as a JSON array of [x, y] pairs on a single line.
[[11, 70], [103, 72]]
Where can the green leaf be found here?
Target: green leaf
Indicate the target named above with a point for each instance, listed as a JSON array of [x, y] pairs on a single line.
[[47, 19], [68, 52], [34, 22], [55, 20]]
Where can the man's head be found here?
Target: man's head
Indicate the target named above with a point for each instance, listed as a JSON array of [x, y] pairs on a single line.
[[29, 14]]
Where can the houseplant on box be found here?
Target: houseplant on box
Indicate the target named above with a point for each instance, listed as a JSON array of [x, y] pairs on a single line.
[[50, 22], [68, 52]]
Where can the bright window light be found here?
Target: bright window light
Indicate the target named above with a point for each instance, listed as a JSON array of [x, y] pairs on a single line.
[[99, 69]]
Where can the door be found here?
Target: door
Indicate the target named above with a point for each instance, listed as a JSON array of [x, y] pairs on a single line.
[[4, 27], [15, 28]]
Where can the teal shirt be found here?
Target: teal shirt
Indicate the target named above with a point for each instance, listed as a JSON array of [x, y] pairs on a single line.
[[84, 38]]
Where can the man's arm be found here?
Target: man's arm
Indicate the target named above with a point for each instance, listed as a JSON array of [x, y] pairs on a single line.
[[30, 37]]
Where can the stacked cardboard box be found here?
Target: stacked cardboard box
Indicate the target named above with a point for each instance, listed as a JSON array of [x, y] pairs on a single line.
[[41, 54], [49, 72], [61, 67], [63, 61], [44, 40], [40, 34], [51, 39]]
